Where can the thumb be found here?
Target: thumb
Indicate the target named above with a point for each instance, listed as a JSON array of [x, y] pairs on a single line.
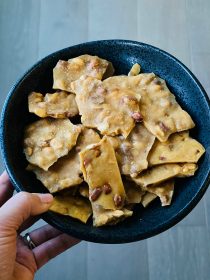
[[20, 207]]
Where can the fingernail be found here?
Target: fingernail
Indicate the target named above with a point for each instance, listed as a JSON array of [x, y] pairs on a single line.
[[46, 198]]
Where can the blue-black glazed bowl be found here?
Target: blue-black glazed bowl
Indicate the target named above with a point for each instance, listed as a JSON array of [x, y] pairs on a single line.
[[123, 54]]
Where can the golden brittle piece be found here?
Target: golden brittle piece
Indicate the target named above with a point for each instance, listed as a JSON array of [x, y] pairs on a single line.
[[66, 72], [56, 105], [63, 174], [101, 172], [161, 113], [66, 171], [123, 82], [147, 198], [164, 191], [179, 147], [111, 111], [47, 140], [187, 169], [102, 217], [132, 152], [135, 70], [88, 136], [75, 207], [163, 172]]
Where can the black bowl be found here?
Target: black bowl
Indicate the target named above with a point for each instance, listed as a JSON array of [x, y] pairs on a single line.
[[123, 54]]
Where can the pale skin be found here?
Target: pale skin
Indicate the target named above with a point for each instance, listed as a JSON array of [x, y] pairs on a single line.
[[17, 213]]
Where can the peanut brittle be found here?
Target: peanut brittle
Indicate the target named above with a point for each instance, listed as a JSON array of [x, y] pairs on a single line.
[[135, 70], [164, 191], [88, 136], [111, 111], [101, 172], [66, 171], [102, 217], [129, 112], [161, 113], [66, 72], [63, 174], [163, 172], [75, 207], [147, 198], [56, 105], [179, 147], [132, 152], [123, 82], [47, 140], [187, 169]]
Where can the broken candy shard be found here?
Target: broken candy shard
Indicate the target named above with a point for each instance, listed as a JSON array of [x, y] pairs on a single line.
[[161, 113], [99, 167], [46, 140], [112, 111], [56, 105], [75, 207], [164, 191], [179, 147], [164, 172], [66, 72], [102, 217], [133, 151]]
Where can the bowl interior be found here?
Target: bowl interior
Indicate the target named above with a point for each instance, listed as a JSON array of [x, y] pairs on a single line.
[[123, 54]]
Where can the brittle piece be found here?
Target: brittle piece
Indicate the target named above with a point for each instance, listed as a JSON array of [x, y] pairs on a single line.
[[56, 105], [88, 136], [101, 172], [147, 198], [135, 70], [161, 113], [75, 207], [132, 152], [102, 217], [163, 172], [63, 174], [123, 82], [47, 140], [111, 111], [164, 190], [179, 147], [134, 194], [66, 72], [66, 171], [187, 169]]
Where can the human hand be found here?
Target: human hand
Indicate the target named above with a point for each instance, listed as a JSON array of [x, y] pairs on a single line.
[[18, 213]]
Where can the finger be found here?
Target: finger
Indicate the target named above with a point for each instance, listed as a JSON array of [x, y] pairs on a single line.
[[6, 188], [25, 258], [44, 234], [20, 207], [28, 223], [53, 248]]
